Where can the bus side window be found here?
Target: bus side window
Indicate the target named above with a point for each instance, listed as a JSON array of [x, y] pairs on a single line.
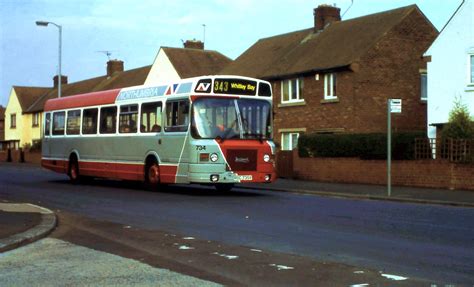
[[89, 121], [73, 125], [128, 119], [108, 120], [47, 125], [151, 118], [177, 116], [58, 123]]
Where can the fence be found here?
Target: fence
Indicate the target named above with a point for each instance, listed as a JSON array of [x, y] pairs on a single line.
[[454, 150]]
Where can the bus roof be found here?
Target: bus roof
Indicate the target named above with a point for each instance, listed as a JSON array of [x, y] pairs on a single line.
[[235, 85], [84, 100]]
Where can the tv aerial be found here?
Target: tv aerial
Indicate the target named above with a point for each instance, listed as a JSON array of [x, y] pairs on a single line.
[[107, 53]]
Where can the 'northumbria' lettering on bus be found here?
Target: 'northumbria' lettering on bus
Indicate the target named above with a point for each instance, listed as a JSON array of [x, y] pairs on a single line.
[[242, 87], [142, 93]]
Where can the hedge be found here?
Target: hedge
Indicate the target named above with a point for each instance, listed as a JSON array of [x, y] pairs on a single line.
[[364, 146]]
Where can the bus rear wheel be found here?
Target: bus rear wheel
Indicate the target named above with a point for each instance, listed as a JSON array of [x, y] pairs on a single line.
[[224, 187], [152, 174], [74, 171]]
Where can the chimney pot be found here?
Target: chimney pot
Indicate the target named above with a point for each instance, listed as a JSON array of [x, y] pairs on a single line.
[[194, 44], [324, 15], [114, 66], [63, 80]]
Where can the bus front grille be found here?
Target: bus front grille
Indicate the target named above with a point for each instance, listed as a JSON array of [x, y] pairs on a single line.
[[242, 159]]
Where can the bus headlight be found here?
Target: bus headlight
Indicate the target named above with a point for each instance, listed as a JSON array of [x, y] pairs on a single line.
[[266, 158], [214, 157]]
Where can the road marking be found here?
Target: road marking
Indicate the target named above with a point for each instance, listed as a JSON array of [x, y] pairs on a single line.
[[282, 267]]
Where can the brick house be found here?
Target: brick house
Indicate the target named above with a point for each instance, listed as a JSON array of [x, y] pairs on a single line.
[[336, 77]]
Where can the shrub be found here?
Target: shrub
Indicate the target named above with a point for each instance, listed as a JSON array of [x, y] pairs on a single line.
[[364, 146], [36, 146], [460, 125]]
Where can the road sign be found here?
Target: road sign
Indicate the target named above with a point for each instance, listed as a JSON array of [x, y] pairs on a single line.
[[395, 106]]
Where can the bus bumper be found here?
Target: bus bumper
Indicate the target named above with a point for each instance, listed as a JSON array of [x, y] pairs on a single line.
[[219, 175]]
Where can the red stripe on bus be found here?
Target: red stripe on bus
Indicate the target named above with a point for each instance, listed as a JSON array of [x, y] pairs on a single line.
[[84, 100], [112, 170], [55, 165]]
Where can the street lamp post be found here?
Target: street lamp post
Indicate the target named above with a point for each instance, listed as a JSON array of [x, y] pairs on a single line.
[[60, 78]]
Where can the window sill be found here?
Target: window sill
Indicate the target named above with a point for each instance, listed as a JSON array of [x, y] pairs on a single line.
[[292, 104], [330, 101], [469, 88]]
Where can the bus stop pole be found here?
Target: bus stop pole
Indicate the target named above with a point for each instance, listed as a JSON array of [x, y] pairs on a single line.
[[389, 149]]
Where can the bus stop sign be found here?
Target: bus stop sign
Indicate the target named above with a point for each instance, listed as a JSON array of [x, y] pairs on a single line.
[[395, 106]]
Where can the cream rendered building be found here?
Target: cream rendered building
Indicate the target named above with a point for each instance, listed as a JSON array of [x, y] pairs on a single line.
[[173, 64], [22, 127]]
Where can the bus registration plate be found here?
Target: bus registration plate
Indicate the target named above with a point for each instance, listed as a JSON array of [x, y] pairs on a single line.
[[245, 177]]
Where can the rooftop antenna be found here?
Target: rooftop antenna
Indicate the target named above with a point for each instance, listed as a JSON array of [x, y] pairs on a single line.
[[107, 53], [352, 3], [204, 33]]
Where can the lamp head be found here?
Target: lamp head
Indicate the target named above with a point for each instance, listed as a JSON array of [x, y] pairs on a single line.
[[42, 23]]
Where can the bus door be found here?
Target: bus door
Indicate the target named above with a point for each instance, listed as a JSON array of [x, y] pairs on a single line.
[[174, 151]]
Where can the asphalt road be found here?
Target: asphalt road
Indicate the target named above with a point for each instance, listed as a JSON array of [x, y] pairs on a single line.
[[435, 243]]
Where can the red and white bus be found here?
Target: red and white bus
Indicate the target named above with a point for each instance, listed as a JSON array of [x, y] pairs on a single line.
[[214, 130]]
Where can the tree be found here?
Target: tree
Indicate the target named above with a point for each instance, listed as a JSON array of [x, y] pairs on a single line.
[[460, 125]]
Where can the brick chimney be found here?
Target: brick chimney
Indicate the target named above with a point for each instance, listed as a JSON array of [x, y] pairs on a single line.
[[114, 66], [63, 80], [194, 44], [324, 15]]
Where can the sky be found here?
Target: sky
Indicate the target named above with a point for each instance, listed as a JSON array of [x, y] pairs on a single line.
[[134, 30]]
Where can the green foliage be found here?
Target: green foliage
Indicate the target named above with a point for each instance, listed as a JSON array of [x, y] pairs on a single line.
[[460, 125], [364, 146], [36, 146]]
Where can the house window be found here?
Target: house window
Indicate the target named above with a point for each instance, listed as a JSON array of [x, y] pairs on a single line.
[[289, 141], [35, 120], [13, 121], [292, 90], [330, 86], [424, 86]]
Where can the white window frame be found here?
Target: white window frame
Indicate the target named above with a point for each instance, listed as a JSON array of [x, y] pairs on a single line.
[[35, 120], [291, 145], [470, 70], [423, 73], [299, 97], [329, 93]]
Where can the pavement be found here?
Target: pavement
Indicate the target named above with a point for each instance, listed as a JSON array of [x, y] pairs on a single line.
[[460, 198], [23, 223]]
